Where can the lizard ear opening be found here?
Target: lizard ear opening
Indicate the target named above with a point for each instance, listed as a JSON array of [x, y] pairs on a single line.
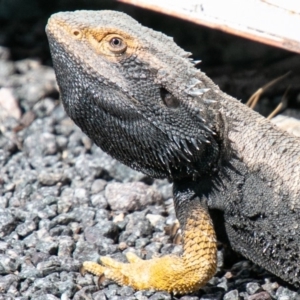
[[168, 99]]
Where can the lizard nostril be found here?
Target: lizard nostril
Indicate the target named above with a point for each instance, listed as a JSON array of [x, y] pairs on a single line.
[[77, 33], [168, 99]]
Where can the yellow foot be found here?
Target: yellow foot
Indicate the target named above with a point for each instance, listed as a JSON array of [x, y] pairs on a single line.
[[167, 273], [170, 273]]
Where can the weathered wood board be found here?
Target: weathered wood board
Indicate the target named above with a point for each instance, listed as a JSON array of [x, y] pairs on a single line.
[[273, 22]]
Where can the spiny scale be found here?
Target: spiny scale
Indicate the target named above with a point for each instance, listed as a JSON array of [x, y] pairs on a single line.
[[197, 92]]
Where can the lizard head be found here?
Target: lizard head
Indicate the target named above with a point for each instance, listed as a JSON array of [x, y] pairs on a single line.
[[135, 93]]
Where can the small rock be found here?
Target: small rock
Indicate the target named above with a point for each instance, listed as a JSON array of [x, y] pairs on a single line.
[[223, 283], [7, 222], [37, 257], [100, 295], [86, 280], [232, 295], [26, 228], [86, 251], [87, 165], [65, 246], [118, 218], [49, 178], [45, 297], [286, 294], [40, 145], [270, 287], [126, 291], [44, 107], [155, 219], [161, 296], [98, 186], [111, 291], [260, 296], [131, 196], [99, 201], [9, 105], [7, 281], [48, 267], [105, 229], [141, 243], [252, 288]]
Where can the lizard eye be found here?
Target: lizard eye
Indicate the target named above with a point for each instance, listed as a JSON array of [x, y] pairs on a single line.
[[168, 99], [117, 45]]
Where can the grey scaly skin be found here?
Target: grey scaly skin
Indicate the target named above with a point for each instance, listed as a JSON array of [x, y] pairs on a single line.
[[139, 97]]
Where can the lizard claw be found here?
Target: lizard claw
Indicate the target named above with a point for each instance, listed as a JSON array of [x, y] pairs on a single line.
[[92, 267]]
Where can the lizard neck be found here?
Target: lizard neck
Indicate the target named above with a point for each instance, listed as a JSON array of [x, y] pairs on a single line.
[[261, 150], [257, 190]]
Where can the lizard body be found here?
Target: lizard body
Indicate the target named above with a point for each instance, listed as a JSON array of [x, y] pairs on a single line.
[[138, 96]]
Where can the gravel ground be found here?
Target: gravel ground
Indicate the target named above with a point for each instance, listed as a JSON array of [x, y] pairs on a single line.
[[63, 201]]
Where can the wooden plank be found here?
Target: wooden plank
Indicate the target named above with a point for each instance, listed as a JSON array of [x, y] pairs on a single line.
[[273, 22]]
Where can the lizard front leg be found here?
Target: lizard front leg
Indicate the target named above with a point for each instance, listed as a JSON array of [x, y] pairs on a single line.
[[171, 273]]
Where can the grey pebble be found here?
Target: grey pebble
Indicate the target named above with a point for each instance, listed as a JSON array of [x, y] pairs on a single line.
[[102, 229], [252, 288], [44, 297], [51, 178], [99, 201], [8, 264], [44, 107], [126, 291], [26, 228], [232, 295], [87, 279], [141, 242], [86, 251], [3, 202], [131, 196], [7, 281], [286, 294], [152, 249], [65, 246], [87, 165], [260, 296], [37, 257], [49, 245], [85, 293], [29, 271], [223, 283], [40, 144], [84, 215], [111, 291], [161, 296], [98, 186], [48, 267], [60, 230], [7, 222], [100, 295]]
